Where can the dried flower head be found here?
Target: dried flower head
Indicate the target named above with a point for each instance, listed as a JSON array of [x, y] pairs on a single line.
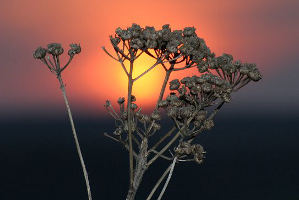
[[40, 53], [55, 49], [75, 49]]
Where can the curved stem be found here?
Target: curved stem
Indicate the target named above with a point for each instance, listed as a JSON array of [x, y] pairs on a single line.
[[75, 136], [168, 178], [158, 182]]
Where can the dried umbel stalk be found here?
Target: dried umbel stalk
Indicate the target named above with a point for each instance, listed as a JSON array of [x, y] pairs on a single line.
[[50, 56], [192, 104]]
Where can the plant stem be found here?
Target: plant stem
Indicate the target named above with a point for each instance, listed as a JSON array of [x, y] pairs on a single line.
[[168, 72], [130, 86], [168, 179], [75, 136], [141, 167], [159, 182], [164, 148]]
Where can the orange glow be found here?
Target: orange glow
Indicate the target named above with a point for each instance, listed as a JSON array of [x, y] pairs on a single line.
[[148, 86], [94, 77]]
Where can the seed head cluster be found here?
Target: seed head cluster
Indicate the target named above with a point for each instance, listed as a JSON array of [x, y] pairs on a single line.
[[194, 100], [55, 50]]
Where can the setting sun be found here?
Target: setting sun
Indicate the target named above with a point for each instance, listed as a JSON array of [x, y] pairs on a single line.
[[146, 89]]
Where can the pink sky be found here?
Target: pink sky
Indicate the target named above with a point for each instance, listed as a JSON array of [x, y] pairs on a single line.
[[252, 31]]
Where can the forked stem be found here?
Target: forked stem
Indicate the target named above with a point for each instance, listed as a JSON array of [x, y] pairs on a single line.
[[75, 136]]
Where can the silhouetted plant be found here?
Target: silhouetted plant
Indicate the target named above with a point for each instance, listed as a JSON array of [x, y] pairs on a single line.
[[192, 104], [50, 57]]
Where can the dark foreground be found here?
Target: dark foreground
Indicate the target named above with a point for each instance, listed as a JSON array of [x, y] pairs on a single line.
[[248, 157]]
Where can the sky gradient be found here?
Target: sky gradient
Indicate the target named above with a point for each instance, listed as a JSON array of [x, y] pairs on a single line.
[[263, 32], [252, 152]]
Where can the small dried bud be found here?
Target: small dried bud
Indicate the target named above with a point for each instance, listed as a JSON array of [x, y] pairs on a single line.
[[172, 97], [197, 123], [189, 31], [182, 90], [39, 53], [55, 49], [118, 31], [172, 112], [176, 103], [198, 153], [185, 80], [75, 49], [201, 115], [226, 97], [151, 44], [208, 124], [186, 112], [121, 100], [134, 106], [163, 104], [155, 115], [206, 87], [145, 118], [156, 126], [107, 104], [244, 70], [124, 115], [254, 75], [138, 114], [133, 98], [174, 84], [117, 131], [136, 43], [115, 41]]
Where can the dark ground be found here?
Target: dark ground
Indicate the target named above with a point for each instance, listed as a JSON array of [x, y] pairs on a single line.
[[248, 157]]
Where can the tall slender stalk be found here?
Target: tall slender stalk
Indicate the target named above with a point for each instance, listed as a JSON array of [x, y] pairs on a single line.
[[158, 182], [62, 87], [168, 178], [130, 86]]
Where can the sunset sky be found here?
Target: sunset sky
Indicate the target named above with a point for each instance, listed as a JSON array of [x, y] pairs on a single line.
[[252, 152], [263, 32]]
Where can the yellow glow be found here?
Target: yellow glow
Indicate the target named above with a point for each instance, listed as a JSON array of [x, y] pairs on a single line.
[[147, 88]]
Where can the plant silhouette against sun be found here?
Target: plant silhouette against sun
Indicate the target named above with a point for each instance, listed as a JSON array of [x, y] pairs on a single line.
[[52, 61], [192, 104]]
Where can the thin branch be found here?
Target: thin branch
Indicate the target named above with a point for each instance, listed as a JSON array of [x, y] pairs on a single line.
[[162, 156], [49, 60], [109, 53], [122, 142], [109, 136], [164, 149], [172, 140], [75, 136], [159, 182], [146, 71], [46, 63], [168, 178], [69, 61], [163, 138], [189, 66]]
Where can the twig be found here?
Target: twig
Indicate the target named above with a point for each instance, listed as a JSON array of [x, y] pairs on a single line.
[[158, 182], [168, 178], [163, 138], [75, 136]]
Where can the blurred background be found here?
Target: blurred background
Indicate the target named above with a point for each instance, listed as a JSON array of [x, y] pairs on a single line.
[[252, 152]]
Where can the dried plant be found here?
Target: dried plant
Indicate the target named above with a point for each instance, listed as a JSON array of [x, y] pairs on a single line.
[[50, 57], [192, 104]]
